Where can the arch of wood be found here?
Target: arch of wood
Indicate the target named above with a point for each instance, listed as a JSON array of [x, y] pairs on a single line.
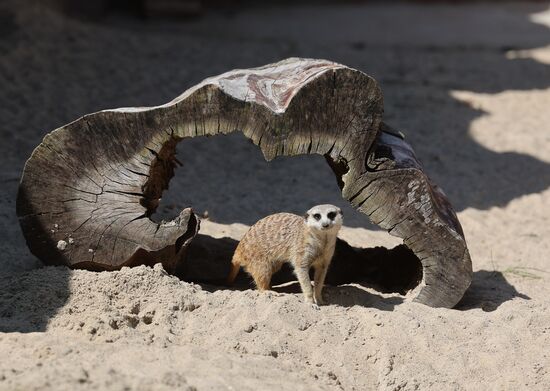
[[89, 189]]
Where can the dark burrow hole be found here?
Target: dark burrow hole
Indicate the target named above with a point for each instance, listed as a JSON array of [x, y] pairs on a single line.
[[395, 270], [227, 178]]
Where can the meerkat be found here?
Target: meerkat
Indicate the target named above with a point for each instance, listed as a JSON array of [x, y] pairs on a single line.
[[303, 241]]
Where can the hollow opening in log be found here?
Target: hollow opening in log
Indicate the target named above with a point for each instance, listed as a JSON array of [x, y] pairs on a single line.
[[231, 186], [161, 172]]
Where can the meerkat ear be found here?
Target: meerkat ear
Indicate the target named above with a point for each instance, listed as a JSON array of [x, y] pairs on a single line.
[[341, 213], [306, 215]]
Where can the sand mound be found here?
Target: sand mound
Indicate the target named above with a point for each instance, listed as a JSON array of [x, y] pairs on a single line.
[[143, 329]]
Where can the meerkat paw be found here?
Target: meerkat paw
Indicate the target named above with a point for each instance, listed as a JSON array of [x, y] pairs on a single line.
[[309, 300], [319, 301]]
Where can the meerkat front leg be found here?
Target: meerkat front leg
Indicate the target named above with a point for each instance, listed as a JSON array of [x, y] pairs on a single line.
[[320, 274], [302, 272]]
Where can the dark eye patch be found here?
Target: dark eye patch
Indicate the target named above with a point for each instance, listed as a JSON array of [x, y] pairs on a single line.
[[331, 215], [317, 216]]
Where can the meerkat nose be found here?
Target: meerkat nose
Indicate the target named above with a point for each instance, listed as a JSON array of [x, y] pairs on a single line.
[[325, 225]]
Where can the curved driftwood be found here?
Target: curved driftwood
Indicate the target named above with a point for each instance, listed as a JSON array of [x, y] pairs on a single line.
[[89, 189]]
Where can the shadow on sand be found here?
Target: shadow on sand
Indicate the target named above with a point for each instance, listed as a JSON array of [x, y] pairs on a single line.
[[384, 270], [29, 301], [488, 291]]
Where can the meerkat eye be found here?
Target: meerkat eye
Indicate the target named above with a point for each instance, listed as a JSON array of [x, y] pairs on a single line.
[[331, 215], [317, 216]]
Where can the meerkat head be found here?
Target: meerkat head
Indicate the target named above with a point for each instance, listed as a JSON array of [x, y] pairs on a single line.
[[324, 218]]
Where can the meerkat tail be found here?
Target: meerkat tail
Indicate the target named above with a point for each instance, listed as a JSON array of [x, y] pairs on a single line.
[[235, 267]]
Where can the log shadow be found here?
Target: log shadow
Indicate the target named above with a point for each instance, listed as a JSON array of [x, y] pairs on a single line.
[[29, 301], [352, 270], [30, 294], [488, 291]]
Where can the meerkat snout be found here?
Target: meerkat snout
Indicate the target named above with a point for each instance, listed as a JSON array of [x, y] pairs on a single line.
[[304, 242]]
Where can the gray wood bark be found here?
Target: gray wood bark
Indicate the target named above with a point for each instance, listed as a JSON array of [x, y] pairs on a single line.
[[89, 189]]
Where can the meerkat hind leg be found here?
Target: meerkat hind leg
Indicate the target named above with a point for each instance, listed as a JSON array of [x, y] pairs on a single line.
[[263, 283], [319, 278], [262, 277]]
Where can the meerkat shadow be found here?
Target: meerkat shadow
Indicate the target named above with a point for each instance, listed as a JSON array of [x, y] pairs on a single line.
[[354, 277]]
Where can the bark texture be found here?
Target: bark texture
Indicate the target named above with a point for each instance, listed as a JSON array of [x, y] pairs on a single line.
[[89, 189]]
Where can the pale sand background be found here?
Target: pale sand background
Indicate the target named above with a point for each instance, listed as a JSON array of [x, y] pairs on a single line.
[[468, 84]]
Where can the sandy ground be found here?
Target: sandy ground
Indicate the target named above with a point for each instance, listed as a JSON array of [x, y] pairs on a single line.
[[468, 84]]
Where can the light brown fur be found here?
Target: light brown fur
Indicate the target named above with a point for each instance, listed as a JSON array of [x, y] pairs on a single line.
[[286, 237]]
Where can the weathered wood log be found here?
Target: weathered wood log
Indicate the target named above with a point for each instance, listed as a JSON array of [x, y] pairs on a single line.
[[398, 196], [89, 189]]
